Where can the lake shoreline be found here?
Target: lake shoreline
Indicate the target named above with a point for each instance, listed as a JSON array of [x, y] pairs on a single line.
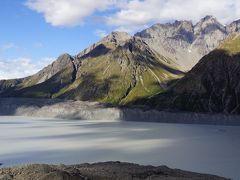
[[68, 109], [105, 170]]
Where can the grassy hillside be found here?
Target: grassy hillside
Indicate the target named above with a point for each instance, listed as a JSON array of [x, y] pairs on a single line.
[[120, 76], [232, 44], [109, 72]]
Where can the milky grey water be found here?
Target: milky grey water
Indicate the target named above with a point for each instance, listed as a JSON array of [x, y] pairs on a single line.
[[200, 148]]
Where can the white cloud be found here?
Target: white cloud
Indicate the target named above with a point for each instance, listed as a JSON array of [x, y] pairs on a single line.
[[101, 33], [21, 67], [132, 15], [68, 12], [138, 13]]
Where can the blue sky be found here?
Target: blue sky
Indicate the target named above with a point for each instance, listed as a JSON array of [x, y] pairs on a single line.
[[35, 32], [34, 38]]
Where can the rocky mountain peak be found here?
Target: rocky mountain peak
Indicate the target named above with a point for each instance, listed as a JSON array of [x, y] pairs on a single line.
[[234, 27], [183, 24], [207, 25], [176, 31], [184, 31], [185, 42], [60, 64], [209, 18], [116, 37], [64, 57]]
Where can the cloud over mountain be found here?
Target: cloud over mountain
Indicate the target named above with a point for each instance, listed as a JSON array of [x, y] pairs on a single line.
[[21, 67], [133, 14], [138, 13]]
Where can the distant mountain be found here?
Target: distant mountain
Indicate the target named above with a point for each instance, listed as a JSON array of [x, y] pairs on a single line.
[[186, 43], [211, 86], [52, 75], [121, 69], [118, 69]]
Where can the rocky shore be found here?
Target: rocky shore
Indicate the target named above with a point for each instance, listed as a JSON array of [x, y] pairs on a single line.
[[100, 171], [55, 108]]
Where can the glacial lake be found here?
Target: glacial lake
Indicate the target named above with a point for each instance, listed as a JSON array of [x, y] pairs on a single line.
[[199, 148]]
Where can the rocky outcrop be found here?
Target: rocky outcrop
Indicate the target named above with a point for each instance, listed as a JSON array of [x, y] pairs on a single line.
[[60, 64], [98, 171], [114, 39], [234, 27], [186, 43]]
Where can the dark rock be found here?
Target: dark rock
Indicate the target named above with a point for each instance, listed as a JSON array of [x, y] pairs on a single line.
[[100, 171], [211, 86]]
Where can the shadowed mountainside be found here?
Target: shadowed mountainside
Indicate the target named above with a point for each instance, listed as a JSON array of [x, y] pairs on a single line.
[[211, 86]]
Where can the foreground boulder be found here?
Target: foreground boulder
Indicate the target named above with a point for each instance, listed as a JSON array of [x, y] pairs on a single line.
[[100, 171]]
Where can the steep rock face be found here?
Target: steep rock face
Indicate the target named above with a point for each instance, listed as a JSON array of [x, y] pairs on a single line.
[[114, 39], [211, 86], [61, 63], [186, 43], [170, 40], [234, 27], [117, 38], [209, 33]]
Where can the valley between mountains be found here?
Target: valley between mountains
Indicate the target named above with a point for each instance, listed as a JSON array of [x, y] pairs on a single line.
[[176, 66]]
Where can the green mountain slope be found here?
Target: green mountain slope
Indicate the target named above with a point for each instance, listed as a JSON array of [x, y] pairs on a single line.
[[119, 70], [211, 86], [232, 44]]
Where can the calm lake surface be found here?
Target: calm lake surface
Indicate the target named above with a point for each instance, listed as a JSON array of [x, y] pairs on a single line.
[[200, 148]]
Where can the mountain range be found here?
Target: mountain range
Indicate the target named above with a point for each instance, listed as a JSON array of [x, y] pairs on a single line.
[[158, 66], [186, 43]]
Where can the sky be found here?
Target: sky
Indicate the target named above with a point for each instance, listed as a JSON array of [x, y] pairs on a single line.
[[34, 33]]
